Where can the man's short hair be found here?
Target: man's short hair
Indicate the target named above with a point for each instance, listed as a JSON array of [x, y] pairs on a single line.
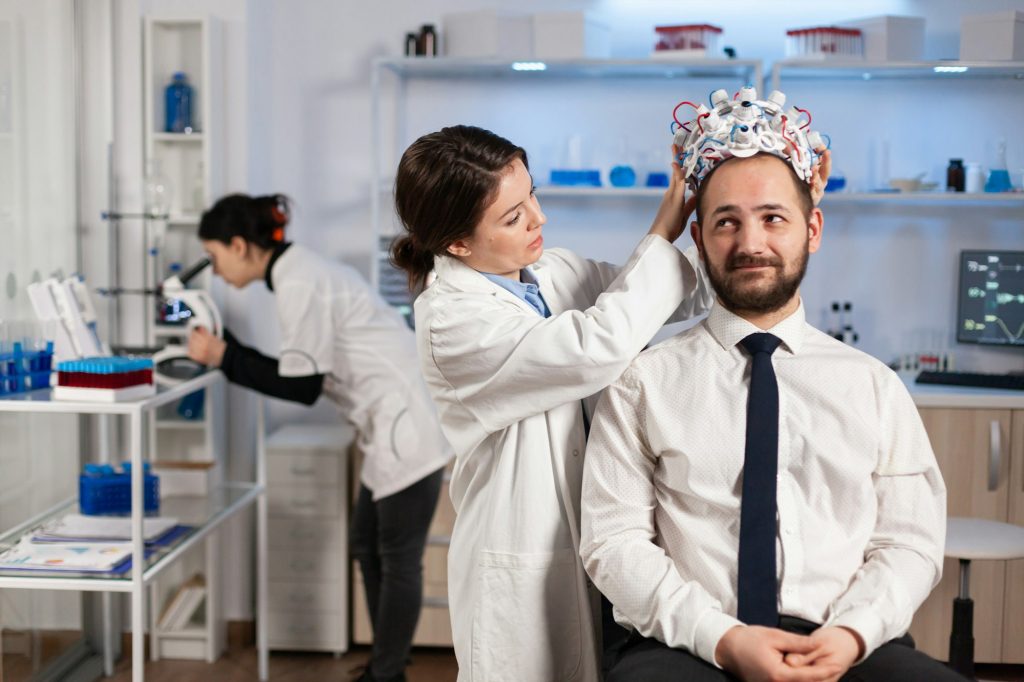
[[803, 189]]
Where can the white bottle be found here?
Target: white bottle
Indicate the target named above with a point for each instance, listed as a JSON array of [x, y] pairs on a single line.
[[974, 178]]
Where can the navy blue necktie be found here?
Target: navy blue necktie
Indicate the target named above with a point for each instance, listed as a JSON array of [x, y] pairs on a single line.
[[756, 583]]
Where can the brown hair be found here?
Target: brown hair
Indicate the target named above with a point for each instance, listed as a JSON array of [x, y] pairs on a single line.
[[445, 182], [803, 189], [257, 220]]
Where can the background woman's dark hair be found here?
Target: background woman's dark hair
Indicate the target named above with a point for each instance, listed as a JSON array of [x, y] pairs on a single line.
[[445, 182], [257, 220]]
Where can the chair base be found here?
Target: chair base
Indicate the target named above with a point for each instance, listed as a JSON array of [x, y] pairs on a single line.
[[961, 639]]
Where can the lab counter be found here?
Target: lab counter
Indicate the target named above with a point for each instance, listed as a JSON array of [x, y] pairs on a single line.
[[935, 395]]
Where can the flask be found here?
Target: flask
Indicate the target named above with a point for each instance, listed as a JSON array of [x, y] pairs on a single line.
[[178, 105], [157, 191], [955, 176]]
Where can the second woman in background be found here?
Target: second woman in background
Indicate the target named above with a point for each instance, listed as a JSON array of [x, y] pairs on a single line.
[[341, 340]]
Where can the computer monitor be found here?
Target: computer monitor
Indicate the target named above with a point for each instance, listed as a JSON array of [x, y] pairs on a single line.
[[991, 293]]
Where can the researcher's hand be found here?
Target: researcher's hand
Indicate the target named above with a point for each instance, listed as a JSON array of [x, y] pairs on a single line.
[[819, 175], [837, 649], [205, 348], [675, 210], [758, 654]]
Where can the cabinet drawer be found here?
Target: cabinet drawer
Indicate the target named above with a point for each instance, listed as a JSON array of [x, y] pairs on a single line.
[[306, 566], [290, 629], [306, 597], [303, 469], [303, 501], [311, 534]]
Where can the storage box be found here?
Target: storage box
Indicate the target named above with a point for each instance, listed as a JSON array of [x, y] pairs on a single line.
[[992, 37], [569, 35], [185, 477], [891, 38], [487, 34]]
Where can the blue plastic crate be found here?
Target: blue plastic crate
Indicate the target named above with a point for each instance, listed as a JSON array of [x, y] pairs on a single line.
[[101, 490], [22, 370]]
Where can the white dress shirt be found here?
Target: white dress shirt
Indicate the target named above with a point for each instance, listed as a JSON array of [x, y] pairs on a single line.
[[861, 502]]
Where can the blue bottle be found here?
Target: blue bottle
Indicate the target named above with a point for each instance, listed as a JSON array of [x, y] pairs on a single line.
[[178, 105]]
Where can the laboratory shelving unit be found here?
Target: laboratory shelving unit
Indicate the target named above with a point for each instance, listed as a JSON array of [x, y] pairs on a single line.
[[193, 164], [926, 74], [204, 514], [392, 76]]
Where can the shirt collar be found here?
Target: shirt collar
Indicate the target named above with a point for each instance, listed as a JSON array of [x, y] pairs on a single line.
[[527, 284], [729, 329], [278, 250]]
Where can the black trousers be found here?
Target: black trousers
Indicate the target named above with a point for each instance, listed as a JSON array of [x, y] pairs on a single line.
[[388, 539], [649, 660]]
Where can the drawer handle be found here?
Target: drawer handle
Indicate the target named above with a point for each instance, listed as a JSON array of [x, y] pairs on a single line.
[[995, 451], [309, 471], [301, 629]]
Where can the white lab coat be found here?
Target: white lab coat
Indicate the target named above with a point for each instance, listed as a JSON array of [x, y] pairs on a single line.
[[332, 323], [508, 385]]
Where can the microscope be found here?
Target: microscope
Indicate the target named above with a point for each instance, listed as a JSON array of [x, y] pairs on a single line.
[[179, 311]]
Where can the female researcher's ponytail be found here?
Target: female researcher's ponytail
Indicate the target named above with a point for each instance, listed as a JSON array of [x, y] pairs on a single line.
[[445, 182], [258, 220]]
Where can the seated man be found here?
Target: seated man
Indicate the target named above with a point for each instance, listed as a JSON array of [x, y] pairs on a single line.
[[761, 501]]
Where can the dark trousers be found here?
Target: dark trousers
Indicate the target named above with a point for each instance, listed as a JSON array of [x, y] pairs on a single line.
[[648, 660], [388, 539]]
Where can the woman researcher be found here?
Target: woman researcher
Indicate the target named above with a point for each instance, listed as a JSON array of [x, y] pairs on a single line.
[[341, 340]]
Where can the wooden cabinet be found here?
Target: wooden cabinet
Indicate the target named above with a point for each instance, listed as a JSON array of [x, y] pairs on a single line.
[[979, 452], [434, 627]]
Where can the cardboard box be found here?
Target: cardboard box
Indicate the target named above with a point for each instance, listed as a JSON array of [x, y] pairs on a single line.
[[569, 35], [487, 34], [992, 37], [891, 38]]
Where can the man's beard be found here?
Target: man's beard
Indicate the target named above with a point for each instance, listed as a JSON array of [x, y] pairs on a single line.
[[737, 296]]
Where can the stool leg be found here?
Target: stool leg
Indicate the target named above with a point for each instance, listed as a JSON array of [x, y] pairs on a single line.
[[961, 638]]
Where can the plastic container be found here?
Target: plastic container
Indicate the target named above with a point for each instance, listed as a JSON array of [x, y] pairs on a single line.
[[569, 35], [26, 356], [891, 38], [687, 40], [995, 37], [178, 105], [101, 490], [576, 178], [488, 34], [825, 42]]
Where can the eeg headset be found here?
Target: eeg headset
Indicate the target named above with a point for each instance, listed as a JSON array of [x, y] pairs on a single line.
[[741, 127]]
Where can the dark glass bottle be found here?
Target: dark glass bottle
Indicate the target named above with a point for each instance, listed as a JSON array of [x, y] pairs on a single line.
[[411, 44], [955, 176], [428, 41]]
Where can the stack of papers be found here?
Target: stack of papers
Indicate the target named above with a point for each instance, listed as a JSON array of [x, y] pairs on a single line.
[[72, 556], [81, 528], [79, 543]]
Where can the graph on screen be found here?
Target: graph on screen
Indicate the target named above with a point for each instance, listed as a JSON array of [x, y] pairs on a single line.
[[991, 293]]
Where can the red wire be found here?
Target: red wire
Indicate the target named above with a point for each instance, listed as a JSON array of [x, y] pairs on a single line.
[[804, 111], [795, 148], [698, 121], [736, 96], [677, 109]]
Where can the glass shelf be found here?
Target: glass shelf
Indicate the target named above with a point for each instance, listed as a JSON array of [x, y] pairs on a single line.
[[452, 67], [1007, 199], [178, 137], [202, 513], [817, 69], [42, 399]]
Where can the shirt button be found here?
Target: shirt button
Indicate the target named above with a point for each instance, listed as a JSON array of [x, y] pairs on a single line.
[[790, 532], [575, 453]]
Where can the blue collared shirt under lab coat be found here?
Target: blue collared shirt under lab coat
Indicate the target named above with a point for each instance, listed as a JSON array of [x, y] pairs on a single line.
[[526, 289]]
